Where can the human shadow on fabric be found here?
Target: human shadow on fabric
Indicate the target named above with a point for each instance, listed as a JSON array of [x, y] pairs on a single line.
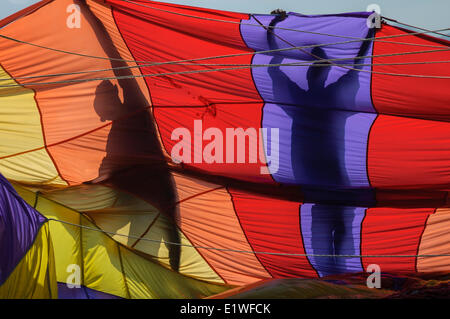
[[318, 146], [134, 160]]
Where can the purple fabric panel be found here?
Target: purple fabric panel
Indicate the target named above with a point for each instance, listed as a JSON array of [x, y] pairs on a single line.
[[83, 292], [343, 88], [324, 113], [19, 225], [356, 137], [320, 148], [332, 230], [350, 89]]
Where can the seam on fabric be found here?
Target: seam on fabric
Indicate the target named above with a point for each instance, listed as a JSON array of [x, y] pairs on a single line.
[[50, 259], [361, 238], [370, 129], [246, 237], [42, 126], [83, 282], [146, 230], [45, 137], [303, 240], [155, 122], [202, 256], [263, 102], [127, 291], [416, 259]]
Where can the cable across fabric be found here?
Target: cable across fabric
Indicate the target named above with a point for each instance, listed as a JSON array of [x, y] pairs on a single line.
[[247, 251], [379, 39], [309, 64], [230, 69], [270, 28], [270, 31], [412, 26], [255, 25]]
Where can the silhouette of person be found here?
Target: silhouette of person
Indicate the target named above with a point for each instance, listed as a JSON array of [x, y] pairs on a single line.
[[134, 160], [317, 149]]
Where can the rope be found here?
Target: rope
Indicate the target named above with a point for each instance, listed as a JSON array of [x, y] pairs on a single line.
[[254, 25], [220, 69], [176, 106], [246, 251], [412, 26], [310, 64], [379, 39], [271, 31], [356, 58], [150, 63], [216, 57], [230, 69]]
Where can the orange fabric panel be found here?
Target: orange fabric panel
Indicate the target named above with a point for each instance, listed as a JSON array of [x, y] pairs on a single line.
[[68, 111], [208, 219], [435, 241]]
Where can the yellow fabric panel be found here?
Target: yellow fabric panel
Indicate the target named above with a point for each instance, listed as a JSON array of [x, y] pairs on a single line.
[[66, 247], [34, 276], [124, 214], [112, 210], [96, 254], [26, 194], [102, 266], [66, 237], [125, 274], [20, 131], [148, 280], [435, 240], [113, 269], [122, 224], [84, 198]]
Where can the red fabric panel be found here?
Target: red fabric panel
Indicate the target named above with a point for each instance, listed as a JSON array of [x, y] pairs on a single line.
[[221, 99], [391, 231], [410, 96], [273, 225], [409, 153]]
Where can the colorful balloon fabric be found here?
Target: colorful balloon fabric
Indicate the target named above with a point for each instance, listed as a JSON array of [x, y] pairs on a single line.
[[169, 151]]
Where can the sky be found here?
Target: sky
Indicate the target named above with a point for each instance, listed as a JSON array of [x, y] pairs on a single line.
[[430, 14]]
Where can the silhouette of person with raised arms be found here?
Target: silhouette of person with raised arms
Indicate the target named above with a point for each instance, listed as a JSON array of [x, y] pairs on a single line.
[[134, 160], [317, 149]]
